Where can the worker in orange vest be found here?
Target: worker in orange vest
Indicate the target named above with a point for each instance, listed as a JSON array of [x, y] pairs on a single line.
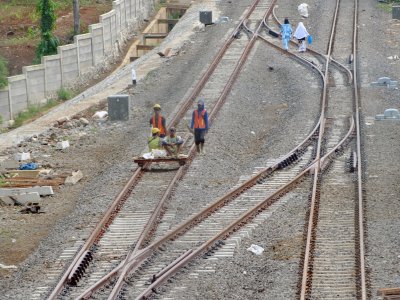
[[157, 120], [199, 126]]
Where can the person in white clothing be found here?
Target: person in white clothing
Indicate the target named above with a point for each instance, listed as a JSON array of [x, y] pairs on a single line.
[[133, 76], [301, 34]]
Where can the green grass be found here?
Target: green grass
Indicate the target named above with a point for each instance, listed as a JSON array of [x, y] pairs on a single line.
[[64, 94], [33, 112], [387, 7], [3, 73]]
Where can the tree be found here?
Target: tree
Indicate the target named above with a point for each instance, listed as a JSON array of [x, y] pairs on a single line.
[[76, 17], [48, 44], [3, 72]]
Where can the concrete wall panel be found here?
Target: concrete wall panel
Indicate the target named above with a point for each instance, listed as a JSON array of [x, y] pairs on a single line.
[[72, 60], [123, 15], [4, 106], [114, 34], [69, 62], [18, 93], [84, 45], [52, 65], [35, 83], [128, 11], [97, 43], [117, 9], [106, 22]]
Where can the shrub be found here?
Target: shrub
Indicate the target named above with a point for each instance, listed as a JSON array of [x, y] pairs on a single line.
[[3, 72], [64, 94]]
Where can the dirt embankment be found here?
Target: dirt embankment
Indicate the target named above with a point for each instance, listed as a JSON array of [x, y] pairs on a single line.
[[19, 28]]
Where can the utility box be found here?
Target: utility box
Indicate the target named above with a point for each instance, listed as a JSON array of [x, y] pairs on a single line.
[[206, 17], [118, 107], [396, 12]]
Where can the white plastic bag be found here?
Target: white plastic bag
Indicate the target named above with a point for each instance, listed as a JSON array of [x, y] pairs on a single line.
[[159, 153], [303, 10], [257, 250], [148, 155]]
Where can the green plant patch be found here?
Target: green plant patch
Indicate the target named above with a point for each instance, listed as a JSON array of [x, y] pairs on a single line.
[[64, 94], [33, 112], [387, 7], [3, 72]]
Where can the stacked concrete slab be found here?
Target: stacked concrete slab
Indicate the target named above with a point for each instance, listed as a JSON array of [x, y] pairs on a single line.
[[89, 51]]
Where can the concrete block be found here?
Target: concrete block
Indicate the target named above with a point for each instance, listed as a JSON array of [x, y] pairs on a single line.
[[391, 113], [206, 17], [62, 145], [118, 107], [22, 156], [6, 200], [31, 197], [9, 164], [41, 190], [74, 178], [396, 12]]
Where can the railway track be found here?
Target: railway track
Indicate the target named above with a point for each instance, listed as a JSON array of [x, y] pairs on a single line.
[[333, 263], [214, 85], [333, 260], [128, 256]]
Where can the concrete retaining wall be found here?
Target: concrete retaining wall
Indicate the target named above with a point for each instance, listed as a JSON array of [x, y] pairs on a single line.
[[88, 52]]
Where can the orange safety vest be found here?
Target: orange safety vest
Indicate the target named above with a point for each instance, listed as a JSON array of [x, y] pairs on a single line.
[[199, 119], [159, 123]]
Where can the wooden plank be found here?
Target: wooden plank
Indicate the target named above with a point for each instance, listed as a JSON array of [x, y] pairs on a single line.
[[144, 47], [391, 297], [388, 291], [155, 35], [177, 6], [168, 21], [23, 173], [13, 182]]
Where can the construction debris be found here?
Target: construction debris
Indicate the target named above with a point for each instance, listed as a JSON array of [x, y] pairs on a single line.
[[42, 190], [74, 178], [62, 145], [22, 156], [31, 208]]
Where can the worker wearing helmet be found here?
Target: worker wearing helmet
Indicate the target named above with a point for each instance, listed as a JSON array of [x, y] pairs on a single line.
[[199, 126], [157, 120], [155, 142]]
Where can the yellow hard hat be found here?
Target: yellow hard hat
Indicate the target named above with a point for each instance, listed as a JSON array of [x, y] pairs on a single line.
[[157, 106], [155, 130]]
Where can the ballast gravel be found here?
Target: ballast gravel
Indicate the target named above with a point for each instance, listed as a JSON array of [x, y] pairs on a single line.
[[266, 114]]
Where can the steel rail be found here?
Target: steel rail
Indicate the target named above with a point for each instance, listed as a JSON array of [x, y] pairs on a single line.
[[359, 159], [139, 172], [136, 259], [348, 72], [183, 109], [220, 101], [354, 80], [99, 229], [250, 214], [203, 80], [307, 255]]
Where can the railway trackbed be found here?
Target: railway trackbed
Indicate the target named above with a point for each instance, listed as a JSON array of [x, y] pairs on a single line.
[[131, 255]]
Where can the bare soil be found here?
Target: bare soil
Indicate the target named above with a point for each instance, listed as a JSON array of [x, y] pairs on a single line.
[[19, 31]]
